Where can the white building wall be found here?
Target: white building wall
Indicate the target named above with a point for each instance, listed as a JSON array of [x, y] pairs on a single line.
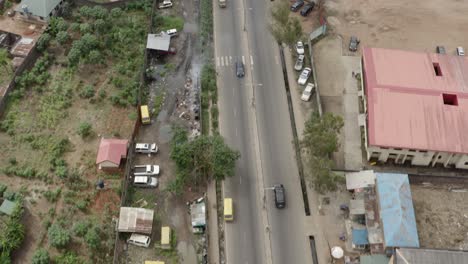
[[417, 157]]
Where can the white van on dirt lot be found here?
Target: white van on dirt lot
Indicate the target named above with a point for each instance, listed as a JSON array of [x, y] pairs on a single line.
[[146, 148], [145, 182], [139, 240]]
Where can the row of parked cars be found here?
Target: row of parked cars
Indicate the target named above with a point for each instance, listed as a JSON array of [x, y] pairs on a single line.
[[306, 8], [305, 74], [145, 176]]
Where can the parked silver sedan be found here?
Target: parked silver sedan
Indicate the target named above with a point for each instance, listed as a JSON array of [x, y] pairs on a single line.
[[304, 76]]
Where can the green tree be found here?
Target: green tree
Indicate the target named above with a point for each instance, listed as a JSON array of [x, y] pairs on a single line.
[[92, 238], [43, 41], [58, 236], [116, 12], [285, 29], [200, 160], [41, 256], [80, 228], [94, 57], [5, 60], [320, 139], [68, 258], [57, 24], [85, 129], [62, 37], [320, 135]]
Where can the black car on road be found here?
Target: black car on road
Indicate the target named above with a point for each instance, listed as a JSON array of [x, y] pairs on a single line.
[[307, 9], [280, 196], [240, 69]]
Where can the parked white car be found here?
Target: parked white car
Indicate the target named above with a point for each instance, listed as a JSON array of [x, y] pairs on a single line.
[[146, 148], [304, 76], [300, 48], [145, 182], [299, 63], [307, 93], [146, 170], [171, 32], [139, 240], [165, 4], [460, 51]]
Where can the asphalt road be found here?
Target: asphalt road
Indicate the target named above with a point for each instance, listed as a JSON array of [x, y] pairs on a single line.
[[254, 119]]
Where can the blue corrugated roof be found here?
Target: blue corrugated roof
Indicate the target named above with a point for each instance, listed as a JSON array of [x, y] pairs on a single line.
[[360, 237], [396, 210]]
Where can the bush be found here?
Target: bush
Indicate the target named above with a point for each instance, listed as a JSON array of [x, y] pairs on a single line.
[[41, 256], [92, 238], [61, 171], [85, 129], [43, 42], [52, 196], [80, 228], [62, 37], [87, 92], [58, 236], [68, 258], [3, 188]]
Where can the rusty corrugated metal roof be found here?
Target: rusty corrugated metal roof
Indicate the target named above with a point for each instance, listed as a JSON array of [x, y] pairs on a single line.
[[136, 220], [405, 98]]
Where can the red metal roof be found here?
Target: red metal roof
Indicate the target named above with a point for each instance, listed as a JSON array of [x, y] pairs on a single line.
[[112, 150], [405, 100]]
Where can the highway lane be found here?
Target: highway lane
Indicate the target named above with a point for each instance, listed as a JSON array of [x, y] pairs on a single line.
[[243, 242], [265, 123], [289, 242]]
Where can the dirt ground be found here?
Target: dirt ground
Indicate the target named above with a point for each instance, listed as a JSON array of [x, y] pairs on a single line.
[[441, 216], [171, 210], [418, 25]]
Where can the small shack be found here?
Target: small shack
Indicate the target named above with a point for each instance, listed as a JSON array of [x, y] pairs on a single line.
[[360, 240], [111, 153], [39, 10], [7, 207], [135, 220], [396, 210], [160, 43], [361, 179], [198, 215]]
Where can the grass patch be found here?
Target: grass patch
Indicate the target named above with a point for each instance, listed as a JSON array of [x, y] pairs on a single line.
[[158, 102], [168, 22], [205, 117]]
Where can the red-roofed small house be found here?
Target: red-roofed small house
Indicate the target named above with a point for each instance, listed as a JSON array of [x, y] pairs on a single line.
[[110, 154]]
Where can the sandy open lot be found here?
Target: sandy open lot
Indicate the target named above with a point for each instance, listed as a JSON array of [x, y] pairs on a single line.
[[411, 25], [441, 216]]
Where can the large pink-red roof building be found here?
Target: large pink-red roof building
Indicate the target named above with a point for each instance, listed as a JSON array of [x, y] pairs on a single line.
[[417, 107]]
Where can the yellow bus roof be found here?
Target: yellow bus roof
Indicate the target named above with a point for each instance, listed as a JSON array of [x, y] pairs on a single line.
[[165, 235], [144, 111], [153, 262], [227, 206]]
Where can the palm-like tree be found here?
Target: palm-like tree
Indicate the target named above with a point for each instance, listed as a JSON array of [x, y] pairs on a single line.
[[5, 60]]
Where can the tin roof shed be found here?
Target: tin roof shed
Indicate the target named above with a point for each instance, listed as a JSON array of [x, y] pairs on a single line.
[[361, 179], [396, 210], [7, 207], [136, 220], [198, 213]]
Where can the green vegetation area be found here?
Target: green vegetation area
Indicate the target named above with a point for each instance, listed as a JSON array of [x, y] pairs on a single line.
[[209, 96], [13, 230], [320, 140], [86, 83], [285, 28], [200, 160]]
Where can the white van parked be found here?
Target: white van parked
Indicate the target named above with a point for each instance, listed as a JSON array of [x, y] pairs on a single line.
[[139, 240], [460, 51], [147, 148], [145, 182]]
